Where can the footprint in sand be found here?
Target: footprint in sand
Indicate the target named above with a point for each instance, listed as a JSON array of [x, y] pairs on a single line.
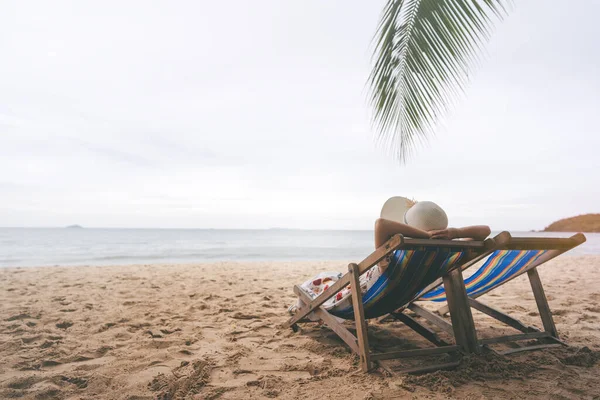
[[241, 315], [21, 316], [154, 335], [106, 326], [242, 371], [587, 317], [30, 339], [88, 355], [13, 329], [186, 380], [49, 363], [560, 312], [23, 383], [122, 336], [64, 324], [170, 331], [81, 383], [136, 327]]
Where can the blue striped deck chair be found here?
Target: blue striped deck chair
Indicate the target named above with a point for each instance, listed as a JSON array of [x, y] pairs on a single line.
[[415, 265], [408, 272], [516, 257]]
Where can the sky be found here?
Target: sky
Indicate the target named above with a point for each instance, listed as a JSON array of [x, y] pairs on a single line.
[[239, 114]]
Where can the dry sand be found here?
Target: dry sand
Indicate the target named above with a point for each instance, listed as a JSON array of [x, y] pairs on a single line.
[[212, 331]]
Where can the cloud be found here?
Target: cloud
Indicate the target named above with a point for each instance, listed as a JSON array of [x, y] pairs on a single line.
[[190, 115]]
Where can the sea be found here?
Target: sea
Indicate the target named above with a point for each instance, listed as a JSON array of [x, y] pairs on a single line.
[[96, 246]]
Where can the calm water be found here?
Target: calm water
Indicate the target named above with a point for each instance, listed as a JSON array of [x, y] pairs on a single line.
[[61, 246]]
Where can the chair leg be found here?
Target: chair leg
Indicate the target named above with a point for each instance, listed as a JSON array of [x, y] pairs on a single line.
[[359, 319], [542, 302], [460, 312]]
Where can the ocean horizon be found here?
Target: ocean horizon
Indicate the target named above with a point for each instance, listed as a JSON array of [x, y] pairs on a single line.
[[20, 247]]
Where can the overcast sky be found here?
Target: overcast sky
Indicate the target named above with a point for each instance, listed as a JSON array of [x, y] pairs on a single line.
[[254, 114]]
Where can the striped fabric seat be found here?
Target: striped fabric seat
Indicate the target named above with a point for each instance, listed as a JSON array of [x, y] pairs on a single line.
[[500, 266], [408, 273]]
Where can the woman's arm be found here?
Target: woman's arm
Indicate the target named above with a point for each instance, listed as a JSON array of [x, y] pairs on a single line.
[[385, 229], [476, 232]]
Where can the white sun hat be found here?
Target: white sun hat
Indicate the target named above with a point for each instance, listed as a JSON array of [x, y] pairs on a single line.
[[395, 208], [424, 215]]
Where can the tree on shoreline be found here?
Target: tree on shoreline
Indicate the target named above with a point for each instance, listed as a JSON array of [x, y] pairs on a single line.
[[424, 52]]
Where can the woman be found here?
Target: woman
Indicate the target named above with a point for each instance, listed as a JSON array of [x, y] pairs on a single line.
[[399, 215], [419, 220]]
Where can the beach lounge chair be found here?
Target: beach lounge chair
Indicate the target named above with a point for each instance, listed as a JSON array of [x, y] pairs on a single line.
[[432, 269], [416, 265], [515, 257]]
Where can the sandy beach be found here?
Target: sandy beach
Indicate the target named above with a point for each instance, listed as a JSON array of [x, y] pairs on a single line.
[[210, 331]]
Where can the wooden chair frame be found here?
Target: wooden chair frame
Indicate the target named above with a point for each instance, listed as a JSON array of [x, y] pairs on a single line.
[[548, 337], [462, 327]]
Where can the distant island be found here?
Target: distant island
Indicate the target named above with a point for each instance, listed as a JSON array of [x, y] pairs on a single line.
[[580, 223], [74, 226]]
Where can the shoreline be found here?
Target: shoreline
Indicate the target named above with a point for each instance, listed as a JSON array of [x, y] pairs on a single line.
[[31, 248], [342, 262], [213, 330]]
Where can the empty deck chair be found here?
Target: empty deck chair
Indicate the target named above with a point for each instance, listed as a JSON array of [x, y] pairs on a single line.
[[515, 257], [416, 265]]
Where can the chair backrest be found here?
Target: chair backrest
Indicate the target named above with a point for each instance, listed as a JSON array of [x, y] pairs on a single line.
[[407, 274], [500, 267], [515, 257]]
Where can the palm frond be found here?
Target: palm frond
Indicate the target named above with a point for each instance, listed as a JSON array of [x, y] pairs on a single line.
[[423, 55]]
